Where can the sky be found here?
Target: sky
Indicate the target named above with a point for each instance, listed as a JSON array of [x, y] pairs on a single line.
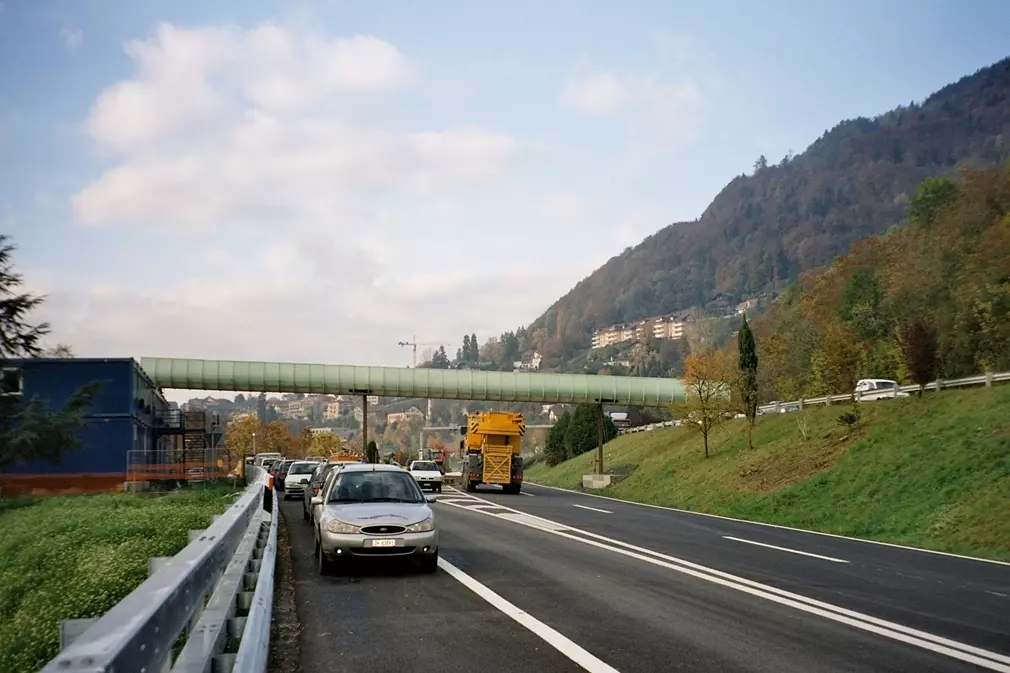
[[317, 181]]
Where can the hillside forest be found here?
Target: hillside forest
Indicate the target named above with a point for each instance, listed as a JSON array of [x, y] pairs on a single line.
[[931, 298]]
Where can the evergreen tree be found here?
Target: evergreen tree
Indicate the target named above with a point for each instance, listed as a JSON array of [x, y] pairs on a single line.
[[30, 429], [748, 377]]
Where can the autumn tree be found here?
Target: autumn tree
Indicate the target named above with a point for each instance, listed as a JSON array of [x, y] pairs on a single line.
[[59, 351], [325, 445], [707, 392], [747, 377], [919, 348], [238, 436], [30, 429], [835, 362]]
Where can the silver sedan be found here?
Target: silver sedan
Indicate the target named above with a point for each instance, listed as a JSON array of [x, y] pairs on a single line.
[[374, 511]]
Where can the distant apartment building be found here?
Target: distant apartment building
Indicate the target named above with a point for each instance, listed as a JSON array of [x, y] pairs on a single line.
[[615, 334], [405, 416], [321, 431], [660, 327]]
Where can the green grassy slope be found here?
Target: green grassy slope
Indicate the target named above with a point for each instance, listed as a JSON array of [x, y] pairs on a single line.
[[76, 556], [931, 472]]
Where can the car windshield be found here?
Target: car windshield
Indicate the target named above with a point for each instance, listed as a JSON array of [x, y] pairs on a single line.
[[424, 466], [301, 468], [375, 487], [320, 472]]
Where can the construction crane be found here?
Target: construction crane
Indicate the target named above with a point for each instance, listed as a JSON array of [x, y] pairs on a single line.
[[414, 344]]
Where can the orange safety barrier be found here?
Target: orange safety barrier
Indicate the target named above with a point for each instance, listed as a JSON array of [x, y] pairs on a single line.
[[50, 484], [177, 471]]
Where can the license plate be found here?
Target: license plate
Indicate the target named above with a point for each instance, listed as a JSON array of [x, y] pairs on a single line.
[[383, 543]]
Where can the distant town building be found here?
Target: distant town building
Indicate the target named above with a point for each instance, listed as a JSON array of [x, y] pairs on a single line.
[[408, 415]]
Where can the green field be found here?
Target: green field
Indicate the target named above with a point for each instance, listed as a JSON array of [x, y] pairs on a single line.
[[77, 556], [931, 472]]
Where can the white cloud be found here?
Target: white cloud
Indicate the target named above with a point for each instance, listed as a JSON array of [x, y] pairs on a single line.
[[71, 37], [665, 106], [222, 125], [307, 234]]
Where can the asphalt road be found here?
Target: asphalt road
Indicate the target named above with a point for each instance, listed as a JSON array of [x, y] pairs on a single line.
[[955, 597], [571, 592]]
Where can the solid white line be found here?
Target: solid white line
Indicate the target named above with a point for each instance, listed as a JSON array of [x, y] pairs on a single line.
[[592, 508], [774, 525], [952, 648], [559, 642], [529, 494], [791, 551]]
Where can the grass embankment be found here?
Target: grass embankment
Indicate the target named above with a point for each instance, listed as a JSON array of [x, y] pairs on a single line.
[[76, 556], [931, 472]]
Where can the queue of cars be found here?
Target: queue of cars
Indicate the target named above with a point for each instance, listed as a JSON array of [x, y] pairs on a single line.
[[368, 510]]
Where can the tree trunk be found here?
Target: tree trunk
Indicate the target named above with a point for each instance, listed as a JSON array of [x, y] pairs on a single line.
[[704, 437], [750, 434]]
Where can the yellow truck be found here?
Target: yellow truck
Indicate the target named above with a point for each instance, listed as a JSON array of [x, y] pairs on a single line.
[[491, 449]]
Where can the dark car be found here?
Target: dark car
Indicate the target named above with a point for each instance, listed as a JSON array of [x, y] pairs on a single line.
[[280, 471], [314, 486]]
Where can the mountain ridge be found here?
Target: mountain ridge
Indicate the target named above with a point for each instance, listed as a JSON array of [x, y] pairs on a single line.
[[762, 231]]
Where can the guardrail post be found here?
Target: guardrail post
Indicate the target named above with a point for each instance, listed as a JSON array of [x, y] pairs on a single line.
[[988, 379], [71, 629]]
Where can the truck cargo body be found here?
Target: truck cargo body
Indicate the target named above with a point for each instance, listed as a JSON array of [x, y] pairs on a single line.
[[491, 450]]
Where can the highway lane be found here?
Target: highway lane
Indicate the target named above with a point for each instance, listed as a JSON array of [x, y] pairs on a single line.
[[962, 599], [641, 617], [392, 619], [633, 614]]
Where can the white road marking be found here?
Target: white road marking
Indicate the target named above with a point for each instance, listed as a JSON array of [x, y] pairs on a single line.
[[529, 494], [791, 551], [556, 640], [774, 525], [928, 641], [528, 520], [592, 509]]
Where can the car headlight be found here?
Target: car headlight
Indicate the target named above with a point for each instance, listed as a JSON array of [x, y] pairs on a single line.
[[425, 526], [340, 528]]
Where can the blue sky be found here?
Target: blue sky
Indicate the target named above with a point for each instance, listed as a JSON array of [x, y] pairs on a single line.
[[315, 181]]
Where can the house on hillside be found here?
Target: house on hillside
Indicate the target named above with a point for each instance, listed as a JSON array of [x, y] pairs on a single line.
[[529, 361], [405, 416]]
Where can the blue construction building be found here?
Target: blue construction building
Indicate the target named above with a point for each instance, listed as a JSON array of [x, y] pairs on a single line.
[[130, 422]]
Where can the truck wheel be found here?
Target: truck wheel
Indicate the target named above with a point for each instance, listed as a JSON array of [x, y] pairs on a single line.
[[438, 488]]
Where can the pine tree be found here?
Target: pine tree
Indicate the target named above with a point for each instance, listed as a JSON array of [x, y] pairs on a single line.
[[30, 429], [748, 377]]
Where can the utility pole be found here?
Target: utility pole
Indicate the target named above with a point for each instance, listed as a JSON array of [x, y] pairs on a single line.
[[364, 426], [599, 439]]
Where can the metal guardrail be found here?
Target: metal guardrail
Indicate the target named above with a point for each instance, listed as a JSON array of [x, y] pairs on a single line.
[[986, 379], [195, 599]]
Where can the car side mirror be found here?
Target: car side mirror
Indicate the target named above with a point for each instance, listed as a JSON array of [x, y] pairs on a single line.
[[316, 500], [431, 498]]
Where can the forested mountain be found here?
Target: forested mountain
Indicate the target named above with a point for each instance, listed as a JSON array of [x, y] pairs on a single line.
[[763, 230]]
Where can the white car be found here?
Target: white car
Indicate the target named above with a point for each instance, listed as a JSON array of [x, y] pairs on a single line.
[[877, 389], [427, 474], [295, 481]]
